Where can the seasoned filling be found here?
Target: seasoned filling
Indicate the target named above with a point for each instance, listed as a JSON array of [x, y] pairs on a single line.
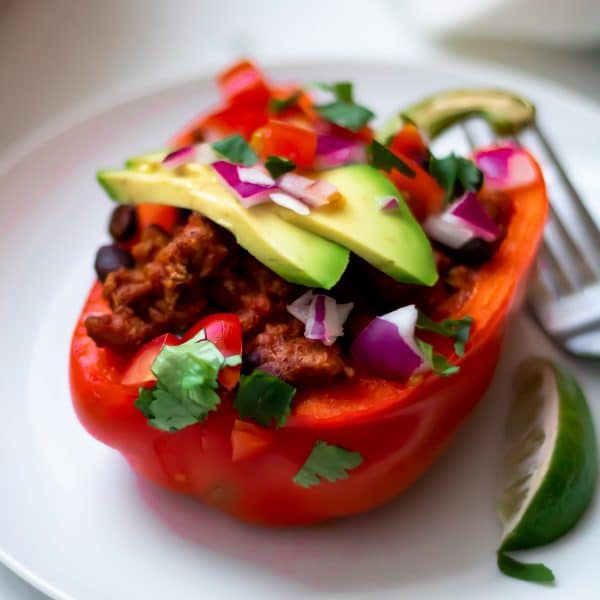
[[199, 270]]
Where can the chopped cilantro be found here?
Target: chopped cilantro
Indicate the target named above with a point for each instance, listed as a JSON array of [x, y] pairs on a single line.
[[345, 114], [186, 383], [264, 398], [455, 175], [278, 166], [383, 158], [342, 90], [457, 329], [235, 149], [278, 105], [326, 462], [439, 364]]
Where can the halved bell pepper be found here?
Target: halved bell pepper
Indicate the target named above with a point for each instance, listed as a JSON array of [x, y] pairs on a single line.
[[398, 428]]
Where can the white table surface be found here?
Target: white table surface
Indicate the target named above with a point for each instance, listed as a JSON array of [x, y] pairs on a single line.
[[57, 56]]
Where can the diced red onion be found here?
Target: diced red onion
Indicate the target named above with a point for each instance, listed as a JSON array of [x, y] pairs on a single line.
[[322, 316], [462, 221], [250, 194], [289, 202], [387, 203], [333, 151], [179, 157], [505, 167], [312, 193], [255, 175], [473, 216], [387, 347]]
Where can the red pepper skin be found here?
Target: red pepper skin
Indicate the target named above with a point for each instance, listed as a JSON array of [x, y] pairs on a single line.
[[399, 429]]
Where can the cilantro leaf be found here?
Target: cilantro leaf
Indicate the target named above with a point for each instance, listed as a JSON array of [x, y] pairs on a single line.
[[264, 398], [278, 105], [439, 364], [342, 90], [455, 175], [278, 166], [186, 382], [326, 462], [457, 329], [345, 114], [235, 149], [535, 572], [383, 158]]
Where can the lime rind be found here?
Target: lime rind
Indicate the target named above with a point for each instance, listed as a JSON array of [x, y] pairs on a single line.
[[556, 472]]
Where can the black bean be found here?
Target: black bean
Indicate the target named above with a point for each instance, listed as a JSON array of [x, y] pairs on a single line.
[[183, 215], [474, 253], [110, 258], [123, 223]]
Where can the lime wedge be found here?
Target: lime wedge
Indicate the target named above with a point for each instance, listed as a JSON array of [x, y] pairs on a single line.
[[549, 470]]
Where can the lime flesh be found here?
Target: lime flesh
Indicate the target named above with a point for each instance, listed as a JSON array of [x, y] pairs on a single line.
[[549, 471]]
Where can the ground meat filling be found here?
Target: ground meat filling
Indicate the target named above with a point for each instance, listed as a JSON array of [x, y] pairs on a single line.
[[199, 270]]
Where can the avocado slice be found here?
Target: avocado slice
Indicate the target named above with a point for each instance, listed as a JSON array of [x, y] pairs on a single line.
[[393, 242], [505, 111], [292, 252]]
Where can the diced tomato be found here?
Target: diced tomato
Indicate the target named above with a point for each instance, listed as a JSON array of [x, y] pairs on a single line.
[[248, 440], [225, 331], [288, 140], [409, 142], [138, 371], [156, 214], [244, 83]]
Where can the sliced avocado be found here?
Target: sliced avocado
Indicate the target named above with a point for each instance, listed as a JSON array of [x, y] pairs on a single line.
[[294, 253], [506, 112], [393, 242]]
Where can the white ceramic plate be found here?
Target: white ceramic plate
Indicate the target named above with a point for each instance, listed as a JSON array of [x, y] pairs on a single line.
[[75, 522]]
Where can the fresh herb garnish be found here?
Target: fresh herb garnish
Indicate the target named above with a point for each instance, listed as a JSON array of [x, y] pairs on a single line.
[[278, 105], [264, 398], [235, 149], [439, 364], [455, 175], [326, 462], [342, 90], [186, 383], [278, 166], [382, 158], [457, 329], [345, 114], [535, 572]]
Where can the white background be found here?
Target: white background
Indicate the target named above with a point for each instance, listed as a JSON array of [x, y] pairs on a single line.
[[56, 55]]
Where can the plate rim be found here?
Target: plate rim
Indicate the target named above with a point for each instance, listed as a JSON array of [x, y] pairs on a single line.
[[119, 96]]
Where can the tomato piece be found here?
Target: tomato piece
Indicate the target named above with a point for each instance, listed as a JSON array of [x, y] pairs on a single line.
[[409, 142], [291, 141], [225, 331], [243, 83], [248, 439], [156, 214], [138, 371], [425, 196]]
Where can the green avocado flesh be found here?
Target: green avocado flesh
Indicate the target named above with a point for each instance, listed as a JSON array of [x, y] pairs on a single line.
[[506, 112], [393, 242], [293, 253], [311, 250]]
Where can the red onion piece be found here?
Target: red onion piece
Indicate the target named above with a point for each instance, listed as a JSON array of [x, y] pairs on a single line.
[[447, 230], [386, 346], [473, 216], [322, 316], [256, 175], [334, 151], [250, 194], [312, 193], [505, 167], [289, 202], [179, 157], [387, 203]]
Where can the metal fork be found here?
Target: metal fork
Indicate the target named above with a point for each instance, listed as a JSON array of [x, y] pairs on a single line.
[[564, 296]]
